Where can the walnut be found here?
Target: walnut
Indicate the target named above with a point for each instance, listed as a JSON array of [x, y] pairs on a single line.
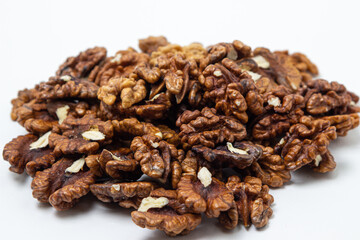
[[239, 154], [198, 198], [149, 74], [343, 123], [171, 218], [122, 64], [155, 156], [323, 97], [81, 65], [169, 135], [306, 68], [123, 193], [306, 141], [252, 200], [282, 100], [272, 125], [151, 44], [269, 168], [22, 156], [155, 108], [81, 135], [134, 127], [129, 90], [207, 128], [61, 189], [57, 88], [281, 67], [119, 164]]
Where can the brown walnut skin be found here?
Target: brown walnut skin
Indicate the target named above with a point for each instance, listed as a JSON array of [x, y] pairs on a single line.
[[128, 192], [18, 154], [151, 44], [269, 168], [305, 141], [70, 141], [155, 156], [211, 200], [208, 129], [330, 98], [81, 65], [223, 157], [252, 200], [343, 123], [62, 190], [173, 219]]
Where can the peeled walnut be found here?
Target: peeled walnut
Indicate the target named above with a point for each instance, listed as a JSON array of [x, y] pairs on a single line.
[[306, 142], [151, 44], [169, 135], [127, 194], [81, 65], [164, 212], [123, 64], [282, 100], [60, 186], [204, 194], [272, 125], [119, 164], [252, 200], [155, 156], [281, 67], [129, 90], [323, 97], [239, 154], [67, 87], [30, 153], [134, 127], [343, 123], [81, 135], [269, 168], [207, 128]]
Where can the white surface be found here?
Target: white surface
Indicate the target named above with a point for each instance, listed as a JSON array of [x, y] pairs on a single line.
[[37, 36]]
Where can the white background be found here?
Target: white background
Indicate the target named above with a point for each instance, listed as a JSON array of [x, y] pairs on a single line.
[[37, 36]]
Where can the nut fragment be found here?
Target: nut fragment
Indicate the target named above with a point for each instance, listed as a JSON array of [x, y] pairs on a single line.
[[151, 202], [204, 175], [235, 150], [93, 134], [76, 166], [42, 142], [62, 113]]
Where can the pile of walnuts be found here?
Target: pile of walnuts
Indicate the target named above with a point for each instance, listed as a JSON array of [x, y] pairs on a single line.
[[178, 132]]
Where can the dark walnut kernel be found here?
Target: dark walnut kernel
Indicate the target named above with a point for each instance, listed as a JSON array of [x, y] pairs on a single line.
[[173, 218], [134, 127], [81, 135], [151, 44], [272, 125], [127, 194], [122, 64], [252, 200], [167, 220], [23, 96], [281, 68], [238, 154], [343, 123], [211, 200], [269, 168], [208, 129], [81, 65], [169, 135], [67, 87], [119, 164], [323, 97], [155, 156], [60, 188], [306, 142], [21, 155], [282, 100]]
